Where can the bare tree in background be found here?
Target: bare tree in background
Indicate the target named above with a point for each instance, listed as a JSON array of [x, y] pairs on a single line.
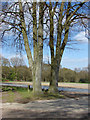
[[5, 62], [16, 61]]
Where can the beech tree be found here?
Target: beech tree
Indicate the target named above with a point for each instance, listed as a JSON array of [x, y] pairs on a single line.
[[65, 16], [20, 17]]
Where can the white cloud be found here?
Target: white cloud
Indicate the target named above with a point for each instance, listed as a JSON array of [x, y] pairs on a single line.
[[81, 37]]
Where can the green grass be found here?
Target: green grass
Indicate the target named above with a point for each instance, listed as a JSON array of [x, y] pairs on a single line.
[[9, 97], [22, 95], [8, 81], [11, 88], [28, 96]]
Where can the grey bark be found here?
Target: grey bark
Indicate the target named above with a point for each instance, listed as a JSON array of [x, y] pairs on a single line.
[[35, 64], [55, 60], [38, 49]]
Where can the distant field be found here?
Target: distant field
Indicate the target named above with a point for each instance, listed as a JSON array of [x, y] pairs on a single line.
[[60, 84]]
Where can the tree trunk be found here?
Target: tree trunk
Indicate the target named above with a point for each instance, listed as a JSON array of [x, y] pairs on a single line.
[[36, 76], [36, 63], [55, 63], [38, 50], [53, 82]]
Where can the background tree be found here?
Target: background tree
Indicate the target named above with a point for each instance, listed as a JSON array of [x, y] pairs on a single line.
[[16, 61], [5, 62], [24, 73], [12, 75], [5, 67], [5, 72]]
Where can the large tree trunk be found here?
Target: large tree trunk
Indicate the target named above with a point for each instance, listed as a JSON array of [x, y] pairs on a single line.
[[36, 76], [56, 59], [38, 50], [36, 63], [53, 80]]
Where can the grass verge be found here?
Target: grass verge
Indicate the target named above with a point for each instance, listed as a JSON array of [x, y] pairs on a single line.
[[22, 95]]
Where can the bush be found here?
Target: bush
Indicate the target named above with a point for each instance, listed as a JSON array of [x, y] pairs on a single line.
[[83, 80]]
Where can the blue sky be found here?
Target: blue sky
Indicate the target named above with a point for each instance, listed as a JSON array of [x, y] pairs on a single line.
[[76, 57], [71, 58]]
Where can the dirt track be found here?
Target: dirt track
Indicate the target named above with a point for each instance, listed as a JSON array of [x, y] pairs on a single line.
[[71, 107], [60, 108]]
